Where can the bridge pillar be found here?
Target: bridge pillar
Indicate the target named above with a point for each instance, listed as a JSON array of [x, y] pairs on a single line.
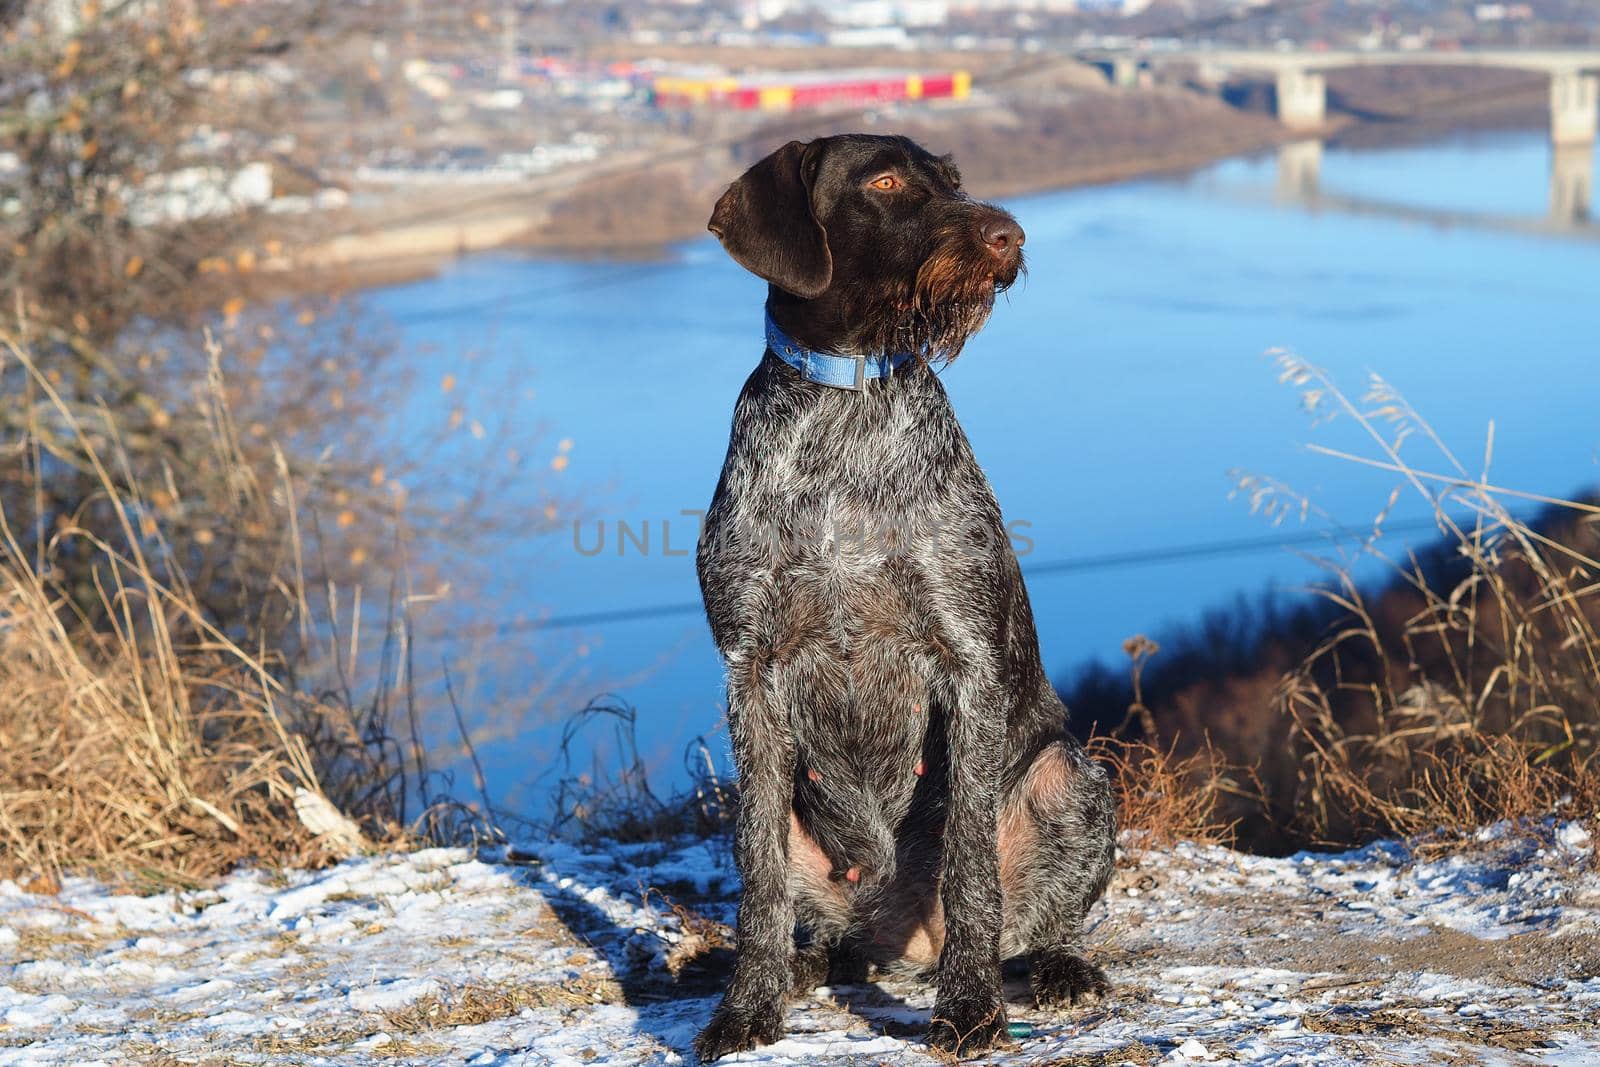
[[1124, 72], [1302, 100], [1299, 170], [1571, 184], [1574, 108]]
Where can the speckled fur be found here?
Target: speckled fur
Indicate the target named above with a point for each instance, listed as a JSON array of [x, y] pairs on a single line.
[[874, 623]]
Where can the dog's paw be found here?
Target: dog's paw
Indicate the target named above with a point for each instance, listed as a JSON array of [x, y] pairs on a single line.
[[968, 1026], [736, 1029], [1062, 979]]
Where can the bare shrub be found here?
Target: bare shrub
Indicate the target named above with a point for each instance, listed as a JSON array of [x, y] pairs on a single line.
[[126, 123], [193, 529], [124, 129]]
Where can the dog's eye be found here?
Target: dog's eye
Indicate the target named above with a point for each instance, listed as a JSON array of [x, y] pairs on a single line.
[[885, 183]]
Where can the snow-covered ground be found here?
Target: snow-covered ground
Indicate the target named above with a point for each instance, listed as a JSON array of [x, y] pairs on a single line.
[[565, 956]]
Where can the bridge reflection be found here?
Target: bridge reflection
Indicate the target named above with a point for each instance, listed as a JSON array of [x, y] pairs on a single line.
[[1572, 184], [1571, 205]]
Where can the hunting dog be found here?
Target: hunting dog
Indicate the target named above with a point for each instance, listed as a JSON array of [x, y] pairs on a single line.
[[909, 796]]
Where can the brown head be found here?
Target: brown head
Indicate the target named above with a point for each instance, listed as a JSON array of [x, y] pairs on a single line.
[[869, 245]]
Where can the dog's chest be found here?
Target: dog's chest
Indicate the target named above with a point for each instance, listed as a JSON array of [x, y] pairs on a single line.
[[844, 481], [838, 504]]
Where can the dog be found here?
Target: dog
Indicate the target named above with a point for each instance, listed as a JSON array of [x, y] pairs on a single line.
[[909, 797]]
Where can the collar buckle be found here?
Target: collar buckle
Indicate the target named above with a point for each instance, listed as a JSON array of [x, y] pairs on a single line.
[[860, 385]]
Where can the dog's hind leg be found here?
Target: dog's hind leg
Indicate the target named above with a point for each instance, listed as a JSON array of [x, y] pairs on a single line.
[[1057, 834], [810, 968], [827, 963]]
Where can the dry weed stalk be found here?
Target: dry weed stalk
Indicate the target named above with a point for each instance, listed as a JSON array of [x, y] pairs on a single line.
[[1472, 692], [621, 805], [700, 935]]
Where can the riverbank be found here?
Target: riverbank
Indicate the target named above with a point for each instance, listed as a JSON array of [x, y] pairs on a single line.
[[1060, 127], [1053, 128], [1068, 136]]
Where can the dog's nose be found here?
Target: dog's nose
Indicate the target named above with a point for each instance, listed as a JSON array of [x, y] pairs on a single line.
[[1002, 235]]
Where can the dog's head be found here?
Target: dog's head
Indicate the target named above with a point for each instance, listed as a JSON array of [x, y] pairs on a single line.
[[870, 245]]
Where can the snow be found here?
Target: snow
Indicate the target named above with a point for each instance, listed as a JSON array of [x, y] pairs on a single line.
[[392, 994], [555, 954]]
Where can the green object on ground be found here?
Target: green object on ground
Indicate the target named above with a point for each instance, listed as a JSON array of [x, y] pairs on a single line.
[[1019, 1030]]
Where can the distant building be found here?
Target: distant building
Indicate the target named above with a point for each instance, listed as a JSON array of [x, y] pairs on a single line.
[[797, 91], [870, 37], [1503, 12], [1054, 7], [907, 13], [753, 13]]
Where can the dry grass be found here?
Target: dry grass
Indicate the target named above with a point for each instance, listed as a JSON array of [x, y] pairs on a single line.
[[322, 1042], [1415, 1022], [122, 760], [152, 747], [1461, 689], [1135, 1052], [57, 942], [1470, 692], [1163, 798], [472, 1005]]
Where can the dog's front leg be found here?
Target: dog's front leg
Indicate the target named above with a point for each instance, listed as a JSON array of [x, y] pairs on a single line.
[[968, 1014], [751, 1012]]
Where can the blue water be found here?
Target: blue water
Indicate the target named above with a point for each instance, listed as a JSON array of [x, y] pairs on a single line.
[[1108, 399]]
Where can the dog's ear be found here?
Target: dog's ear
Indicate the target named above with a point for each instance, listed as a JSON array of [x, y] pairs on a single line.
[[768, 223]]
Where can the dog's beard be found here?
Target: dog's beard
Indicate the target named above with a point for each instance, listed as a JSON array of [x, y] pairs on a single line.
[[937, 312]]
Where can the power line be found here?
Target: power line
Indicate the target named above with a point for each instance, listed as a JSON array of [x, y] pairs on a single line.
[[1207, 550], [1080, 565]]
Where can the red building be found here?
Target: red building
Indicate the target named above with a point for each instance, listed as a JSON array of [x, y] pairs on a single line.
[[791, 92]]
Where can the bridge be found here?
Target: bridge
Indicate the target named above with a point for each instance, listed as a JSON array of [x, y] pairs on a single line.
[[1302, 101], [1303, 88]]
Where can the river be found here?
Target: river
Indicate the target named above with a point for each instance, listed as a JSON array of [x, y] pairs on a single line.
[[1114, 399]]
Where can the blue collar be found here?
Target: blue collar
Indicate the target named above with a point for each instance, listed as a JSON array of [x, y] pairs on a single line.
[[828, 368]]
